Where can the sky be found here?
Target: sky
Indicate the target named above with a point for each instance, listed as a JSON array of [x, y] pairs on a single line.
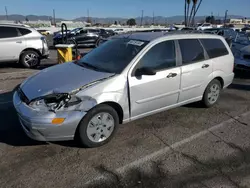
[[70, 9]]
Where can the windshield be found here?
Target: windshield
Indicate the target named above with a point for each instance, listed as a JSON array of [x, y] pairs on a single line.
[[114, 55], [74, 30], [242, 38]]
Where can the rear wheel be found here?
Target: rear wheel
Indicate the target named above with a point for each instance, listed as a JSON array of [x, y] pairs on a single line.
[[212, 93], [98, 126], [30, 59]]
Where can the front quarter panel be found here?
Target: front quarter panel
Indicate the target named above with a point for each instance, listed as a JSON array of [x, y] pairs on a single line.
[[111, 90]]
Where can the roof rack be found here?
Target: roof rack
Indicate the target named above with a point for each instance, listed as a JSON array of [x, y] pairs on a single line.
[[187, 32]]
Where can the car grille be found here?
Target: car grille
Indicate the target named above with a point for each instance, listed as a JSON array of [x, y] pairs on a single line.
[[22, 96]]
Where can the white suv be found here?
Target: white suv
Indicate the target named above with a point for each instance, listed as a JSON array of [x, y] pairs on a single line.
[[205, 26], [22, 44]]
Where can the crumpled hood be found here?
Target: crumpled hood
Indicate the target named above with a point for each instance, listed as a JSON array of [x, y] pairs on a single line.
[[60, 79]]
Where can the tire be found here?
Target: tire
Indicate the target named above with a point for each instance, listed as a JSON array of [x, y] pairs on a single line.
[[34, 59], [90, 132], [98, 42], [212, 93]]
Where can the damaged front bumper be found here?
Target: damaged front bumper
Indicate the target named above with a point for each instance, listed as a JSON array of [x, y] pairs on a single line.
[[38, 124]]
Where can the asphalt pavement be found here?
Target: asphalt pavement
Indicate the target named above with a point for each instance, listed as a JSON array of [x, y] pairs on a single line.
[[189, 146]]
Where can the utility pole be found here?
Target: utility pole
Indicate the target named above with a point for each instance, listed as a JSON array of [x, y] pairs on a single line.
[[54, 17], [88, 15], [6, 12], [142, 17], [225, 19], [153, 18]]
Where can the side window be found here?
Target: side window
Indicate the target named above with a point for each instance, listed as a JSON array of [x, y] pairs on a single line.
[[83, 31], [8, 32], [24, 31], [191, 51], [214, 47], [160, 57]]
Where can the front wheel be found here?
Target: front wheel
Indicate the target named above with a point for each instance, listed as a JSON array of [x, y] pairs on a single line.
[[98, 126], [212, 93]]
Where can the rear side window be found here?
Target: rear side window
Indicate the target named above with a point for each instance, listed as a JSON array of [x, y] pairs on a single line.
[[191, 51], [8, 32], [24, 31], [214, 47]]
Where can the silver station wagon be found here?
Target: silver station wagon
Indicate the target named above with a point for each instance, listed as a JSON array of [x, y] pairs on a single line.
[[128, 77]]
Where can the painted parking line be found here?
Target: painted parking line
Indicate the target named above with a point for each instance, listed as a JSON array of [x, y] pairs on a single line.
[[138, 162]]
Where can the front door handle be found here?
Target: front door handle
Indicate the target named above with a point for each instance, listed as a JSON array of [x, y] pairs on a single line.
[[171, 75], [19, 42], [205, 66]]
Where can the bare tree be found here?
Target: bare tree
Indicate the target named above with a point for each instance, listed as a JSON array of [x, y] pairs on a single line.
[[196, 10], [193, 12], [187, 7]]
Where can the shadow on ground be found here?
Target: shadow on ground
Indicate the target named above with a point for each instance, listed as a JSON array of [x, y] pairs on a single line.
[[229, 169], [11, 132], [242, 74]]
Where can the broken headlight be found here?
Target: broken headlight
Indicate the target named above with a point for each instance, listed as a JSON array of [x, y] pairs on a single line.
[[51, 102]]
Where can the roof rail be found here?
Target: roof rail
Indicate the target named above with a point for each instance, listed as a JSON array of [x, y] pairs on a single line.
[[14, 24], [187, 32]]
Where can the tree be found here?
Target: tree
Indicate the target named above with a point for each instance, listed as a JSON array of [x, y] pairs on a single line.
[[131, 22], [115, 23], [210, 19], [187, 7], [189, 18]]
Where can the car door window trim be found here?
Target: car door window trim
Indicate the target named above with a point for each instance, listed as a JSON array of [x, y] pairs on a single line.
[[177, 60], [193, 62]]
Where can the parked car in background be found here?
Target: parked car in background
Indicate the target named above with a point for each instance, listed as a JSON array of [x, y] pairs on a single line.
[[122, 80], [188, 29], [119, 31], [90, 37], [228, 33], [85, 37], [241, 50], [205, 26], [22, 44], [44, 32]]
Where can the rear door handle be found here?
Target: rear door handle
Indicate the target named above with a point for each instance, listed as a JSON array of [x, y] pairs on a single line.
[[19, 42], [205, 66], [171, 75]]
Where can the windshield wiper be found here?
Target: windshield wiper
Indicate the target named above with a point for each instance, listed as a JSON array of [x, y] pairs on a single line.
[[87, 65]]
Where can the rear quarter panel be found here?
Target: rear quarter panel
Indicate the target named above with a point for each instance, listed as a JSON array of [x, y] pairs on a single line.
[[223, 66], [33, 40]]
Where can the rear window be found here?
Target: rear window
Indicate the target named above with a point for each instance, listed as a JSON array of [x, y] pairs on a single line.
[[191, 51], [214, 47], [8, 32], [24, 31]]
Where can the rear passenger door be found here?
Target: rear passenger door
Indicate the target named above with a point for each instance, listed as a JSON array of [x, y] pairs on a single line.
[[11, 43], [196, 69]]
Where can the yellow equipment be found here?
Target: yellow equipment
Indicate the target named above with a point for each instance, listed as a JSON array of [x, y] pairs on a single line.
[[64, 52]]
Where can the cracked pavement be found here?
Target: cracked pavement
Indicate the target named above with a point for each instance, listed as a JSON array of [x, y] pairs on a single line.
[[186, 147]]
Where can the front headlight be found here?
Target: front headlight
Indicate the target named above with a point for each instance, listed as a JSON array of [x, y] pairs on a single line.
[[50, 102]]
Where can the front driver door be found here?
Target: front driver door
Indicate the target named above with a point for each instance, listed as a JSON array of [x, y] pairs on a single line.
[[152, 93]]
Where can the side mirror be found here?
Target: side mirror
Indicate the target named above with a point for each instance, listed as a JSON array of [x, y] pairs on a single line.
[[144, 71]]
